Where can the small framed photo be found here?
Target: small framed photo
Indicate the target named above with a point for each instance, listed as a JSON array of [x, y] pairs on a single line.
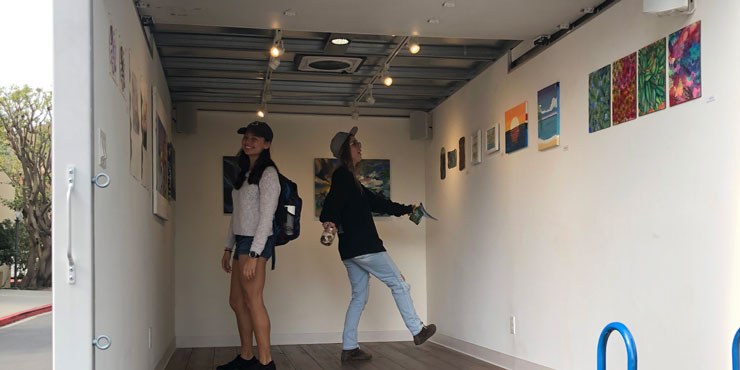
[[492, 139], [475, 148]]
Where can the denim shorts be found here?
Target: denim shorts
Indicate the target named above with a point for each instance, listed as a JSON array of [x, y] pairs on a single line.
[[244, 243]]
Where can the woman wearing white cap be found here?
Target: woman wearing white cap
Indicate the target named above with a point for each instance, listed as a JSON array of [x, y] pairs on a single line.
[[255, 198], [349, 205]]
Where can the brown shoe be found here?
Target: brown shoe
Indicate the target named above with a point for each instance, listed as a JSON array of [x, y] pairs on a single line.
[[425, 333], [355, 355]]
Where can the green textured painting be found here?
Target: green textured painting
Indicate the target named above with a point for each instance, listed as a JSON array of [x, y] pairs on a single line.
[[600, 99], [651, 78]]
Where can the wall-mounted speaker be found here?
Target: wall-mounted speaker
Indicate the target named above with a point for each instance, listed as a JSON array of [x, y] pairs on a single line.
[[420, 126], [668, 7]]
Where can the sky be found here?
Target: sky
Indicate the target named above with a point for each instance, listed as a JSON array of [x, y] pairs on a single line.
[[26, 43]]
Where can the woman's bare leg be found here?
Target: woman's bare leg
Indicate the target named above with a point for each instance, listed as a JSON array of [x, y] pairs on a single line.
[[243, 318], [252, 290]]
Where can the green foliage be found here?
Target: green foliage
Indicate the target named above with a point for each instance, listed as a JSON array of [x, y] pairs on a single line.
[[7, 243]]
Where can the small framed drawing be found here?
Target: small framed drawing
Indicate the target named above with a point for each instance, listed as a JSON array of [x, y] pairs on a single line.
[[475, 148], [492, 139], [160, 117]]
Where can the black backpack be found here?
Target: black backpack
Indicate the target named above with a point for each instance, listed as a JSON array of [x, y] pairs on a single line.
[[286, 226]]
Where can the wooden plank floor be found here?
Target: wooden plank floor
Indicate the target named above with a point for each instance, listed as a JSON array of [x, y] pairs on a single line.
[[386, 356]]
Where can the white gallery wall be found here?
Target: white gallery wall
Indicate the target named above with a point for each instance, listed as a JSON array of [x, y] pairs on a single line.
[[308, 292], [636, 223], [134, 268]]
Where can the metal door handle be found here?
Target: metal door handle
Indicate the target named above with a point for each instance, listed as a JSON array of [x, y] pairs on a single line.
[[102, 342], [70, 261]]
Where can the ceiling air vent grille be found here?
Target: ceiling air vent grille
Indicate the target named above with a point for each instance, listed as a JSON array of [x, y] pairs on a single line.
[[323, 63]]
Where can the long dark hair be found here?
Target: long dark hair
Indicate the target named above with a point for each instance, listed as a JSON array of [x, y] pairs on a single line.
[[345, 160], [263, 161]]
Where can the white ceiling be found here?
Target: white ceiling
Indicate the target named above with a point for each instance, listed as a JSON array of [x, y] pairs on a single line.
[[480, 19]]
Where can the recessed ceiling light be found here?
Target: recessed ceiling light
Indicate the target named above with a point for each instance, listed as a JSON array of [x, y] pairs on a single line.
[[339, 41], [433, 21], [289, 13], [448, 4]]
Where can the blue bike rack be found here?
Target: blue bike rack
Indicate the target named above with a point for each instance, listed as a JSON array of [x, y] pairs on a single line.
[[736, 351], [628, 341]]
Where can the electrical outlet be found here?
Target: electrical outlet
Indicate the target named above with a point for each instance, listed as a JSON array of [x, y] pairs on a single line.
[[512, 324], [150, 337]]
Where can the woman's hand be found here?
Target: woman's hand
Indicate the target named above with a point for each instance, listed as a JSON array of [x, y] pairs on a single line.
[[330, 225], [226, 262], [250, 268]]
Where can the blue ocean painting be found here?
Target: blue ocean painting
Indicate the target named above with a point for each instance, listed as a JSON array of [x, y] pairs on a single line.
[[548, 116]]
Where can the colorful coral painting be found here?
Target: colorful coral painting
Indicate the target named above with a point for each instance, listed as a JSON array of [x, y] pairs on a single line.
[[374, 174], [516, 128], [599, 99], [548, 116], [624, 89], [684, 64], [651, 78]]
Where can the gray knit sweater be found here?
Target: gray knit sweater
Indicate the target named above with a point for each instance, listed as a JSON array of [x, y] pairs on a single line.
[[254, 209]]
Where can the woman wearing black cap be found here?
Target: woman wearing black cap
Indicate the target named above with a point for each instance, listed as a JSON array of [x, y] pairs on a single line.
[[349, 206], [255, 198]]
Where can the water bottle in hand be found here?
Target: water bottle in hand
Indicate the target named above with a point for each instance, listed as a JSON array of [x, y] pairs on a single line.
[[327, 237]]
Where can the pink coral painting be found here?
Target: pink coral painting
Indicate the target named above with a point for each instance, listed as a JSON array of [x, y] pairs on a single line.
[[684, 64], [624, 89]]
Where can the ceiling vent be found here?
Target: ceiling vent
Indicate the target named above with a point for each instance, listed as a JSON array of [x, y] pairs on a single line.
[[324, 63]]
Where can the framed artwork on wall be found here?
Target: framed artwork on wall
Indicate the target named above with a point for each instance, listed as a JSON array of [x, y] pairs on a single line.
[[600, 99], [160, 204], [374, 174], [443, 164], [461, 142], [516, 128], [548, 116], [230, 171], [684, 64], [624, 89], [492, 139], [651, 77], [475, 148], [452, 159]]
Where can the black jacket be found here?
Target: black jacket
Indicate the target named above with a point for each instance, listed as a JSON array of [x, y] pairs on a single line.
[[349, 208]]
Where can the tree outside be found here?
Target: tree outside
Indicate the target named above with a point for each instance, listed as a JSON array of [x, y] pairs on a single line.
[[25, 157]]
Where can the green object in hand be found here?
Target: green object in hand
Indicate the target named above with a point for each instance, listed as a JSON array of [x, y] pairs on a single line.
[[416, 215]]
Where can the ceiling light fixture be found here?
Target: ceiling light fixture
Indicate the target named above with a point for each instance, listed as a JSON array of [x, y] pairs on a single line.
[[278, 48], [339, 41], [414, 45], [370, 99], [355, 111], [387, 79], [262, 111], [274, 63], [448, 4], [433, 20], [289, 13]]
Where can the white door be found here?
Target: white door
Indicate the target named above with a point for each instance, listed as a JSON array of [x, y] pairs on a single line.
[[71, 186]]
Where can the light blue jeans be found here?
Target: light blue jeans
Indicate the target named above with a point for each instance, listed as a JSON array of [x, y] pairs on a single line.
[[382, 267]]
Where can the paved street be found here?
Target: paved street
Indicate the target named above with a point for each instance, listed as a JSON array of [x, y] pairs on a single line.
[[12, 301], [26, 345]]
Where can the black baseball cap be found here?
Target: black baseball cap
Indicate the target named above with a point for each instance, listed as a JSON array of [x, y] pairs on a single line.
[[257, 128]]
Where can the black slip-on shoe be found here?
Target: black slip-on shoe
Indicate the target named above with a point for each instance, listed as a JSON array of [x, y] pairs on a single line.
[[238, 363], [259, 366], [355, 355], [425, 333]]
